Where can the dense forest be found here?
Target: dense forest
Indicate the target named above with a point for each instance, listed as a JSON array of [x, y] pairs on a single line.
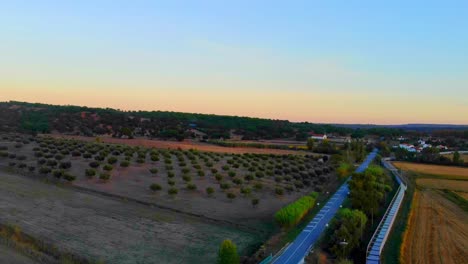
[[80, 120]]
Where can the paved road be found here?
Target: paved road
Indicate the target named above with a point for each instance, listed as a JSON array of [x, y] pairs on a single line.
[[301, 246]]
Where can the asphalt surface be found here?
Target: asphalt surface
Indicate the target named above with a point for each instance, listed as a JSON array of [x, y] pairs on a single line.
[[301, 246]]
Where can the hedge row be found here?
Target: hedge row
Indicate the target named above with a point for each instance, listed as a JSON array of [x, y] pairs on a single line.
[[292, 213]]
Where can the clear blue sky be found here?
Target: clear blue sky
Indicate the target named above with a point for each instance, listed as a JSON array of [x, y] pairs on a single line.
[[323, 61]]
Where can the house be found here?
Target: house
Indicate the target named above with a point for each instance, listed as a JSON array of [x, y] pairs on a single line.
[[408, 147], [318, 136]]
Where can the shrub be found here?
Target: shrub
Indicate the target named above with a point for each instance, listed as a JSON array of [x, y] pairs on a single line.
[[107, 167], [191, 186], [104, 176], [225, 167], [22, 165], [227, 253], [225, 186], [87, 155], [51, 163], [255, 202], [259, 174], [140, 160], [279, 191], [153, 170], [44, 170], [112, 160], [31, 168], [232, 173], [258, 186], [155, 187], [210, 190], [249, 177], [3, 154], [219, 177], [21, 157], [69, 177], [246, 190], [65, 165], [237, 181], [170, 174], [171, 182], [90, 173], [278, 179], [185, 170], [292, 213], [201, 173], [172, 191], [230, 195], [187, 178], [57, 173], [94, 164], [213, 170], [124, 163], [154, 158]]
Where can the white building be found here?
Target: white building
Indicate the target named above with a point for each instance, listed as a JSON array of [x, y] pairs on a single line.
[[318, 136]]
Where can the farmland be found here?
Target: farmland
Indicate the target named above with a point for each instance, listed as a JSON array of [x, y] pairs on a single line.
[[436, 229], [176, 195]]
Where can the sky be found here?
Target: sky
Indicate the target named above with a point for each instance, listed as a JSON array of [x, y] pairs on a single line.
[[369, 62]]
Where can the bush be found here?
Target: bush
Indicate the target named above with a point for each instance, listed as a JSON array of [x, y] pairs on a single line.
[[87, 155], [225, 167], [112, 160], [65, 165], [90, 173], [213, 170], [153, 170], [201, 173], [57, 173], [170, 174], [210, 190], [259, 174], [44, 170], [124, 163], [258, 186], [31, 168], [94, 164], [227, 253], [246, 190], [172, 191], [3, 154], [230, 195], [237, 181], [249, 177], [69, 177], [104, 176], [225, 186], [155, 187], [185, 170], [292, 213], [255, 202], [187, 178], [171, 182], [279, 191], [191, 186], [107, 167], [21, 157], [51, 163]]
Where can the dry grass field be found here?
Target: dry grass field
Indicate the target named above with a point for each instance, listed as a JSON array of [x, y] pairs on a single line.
[[464, 195], [464, 157], [10, 256], [437, 231], [184, 145], [453, 185], [449, 171], [198, 199]]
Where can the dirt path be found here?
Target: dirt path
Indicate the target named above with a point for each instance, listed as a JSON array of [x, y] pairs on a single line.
[[438, 231], [10, 256], [99, 228]]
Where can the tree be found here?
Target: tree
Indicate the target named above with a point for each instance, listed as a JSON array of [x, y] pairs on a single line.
[[310, 143], [456, 158], [348, 231], [368, 189], [227, 253]]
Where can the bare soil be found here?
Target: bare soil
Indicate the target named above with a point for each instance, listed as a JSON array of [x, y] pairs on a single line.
[[100, 228]]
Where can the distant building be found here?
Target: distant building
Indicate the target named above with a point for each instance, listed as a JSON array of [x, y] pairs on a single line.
[[318, 136]]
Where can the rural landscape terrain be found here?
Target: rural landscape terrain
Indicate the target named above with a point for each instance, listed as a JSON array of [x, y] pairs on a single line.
[[233, 132]]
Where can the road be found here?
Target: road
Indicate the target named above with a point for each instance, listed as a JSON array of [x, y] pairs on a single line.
[[300, 248]]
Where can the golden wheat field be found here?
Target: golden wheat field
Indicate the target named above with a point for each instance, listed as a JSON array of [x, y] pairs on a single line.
[[433, 169], [437, 231]]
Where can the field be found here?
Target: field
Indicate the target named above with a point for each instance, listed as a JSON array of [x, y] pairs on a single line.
[[184, 145], [10, 256], [437, 230], [450, 171], [464, 157], [106, 187]]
